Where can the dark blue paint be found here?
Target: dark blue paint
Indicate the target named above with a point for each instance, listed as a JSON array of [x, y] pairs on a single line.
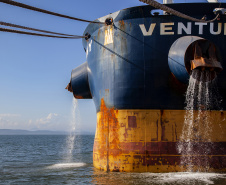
[[140, 78], [79, 82]]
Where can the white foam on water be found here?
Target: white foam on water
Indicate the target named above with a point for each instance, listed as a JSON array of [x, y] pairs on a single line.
[[183, 177], [66, 165]]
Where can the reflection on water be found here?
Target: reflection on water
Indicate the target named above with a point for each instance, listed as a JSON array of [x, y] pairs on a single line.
[[179, 178], [28, 160]]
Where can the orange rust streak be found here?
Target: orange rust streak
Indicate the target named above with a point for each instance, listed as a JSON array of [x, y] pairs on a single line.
[[107, 139], [122, 23], [110, 127], [146, 140], [69, 87], [204, 62], [78, 97], [99, 31]]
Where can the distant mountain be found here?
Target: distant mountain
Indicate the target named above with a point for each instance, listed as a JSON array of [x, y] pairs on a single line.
[[27, 132], [37, 132]]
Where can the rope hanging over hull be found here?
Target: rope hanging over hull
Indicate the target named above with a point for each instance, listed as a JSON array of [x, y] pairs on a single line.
[[34, 29], [38, 34], [174, 12], [14, 3]]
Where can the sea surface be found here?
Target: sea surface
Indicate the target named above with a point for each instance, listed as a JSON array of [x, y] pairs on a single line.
[[43, 160]]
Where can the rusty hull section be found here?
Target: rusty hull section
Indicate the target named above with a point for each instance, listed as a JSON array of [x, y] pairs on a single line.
[[146, 141]]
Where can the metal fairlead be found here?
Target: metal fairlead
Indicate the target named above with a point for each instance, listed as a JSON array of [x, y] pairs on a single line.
[[87, 36], [109, 21], [219, 11]]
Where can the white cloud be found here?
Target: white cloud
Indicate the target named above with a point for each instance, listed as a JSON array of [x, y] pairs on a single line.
[[51, 121], [50, 118], [8, 121]]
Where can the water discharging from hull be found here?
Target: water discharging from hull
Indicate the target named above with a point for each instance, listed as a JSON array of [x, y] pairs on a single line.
[[195, 142], [74, 127]]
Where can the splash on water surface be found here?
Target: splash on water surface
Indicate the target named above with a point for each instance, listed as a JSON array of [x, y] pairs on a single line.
[[185, 178], [66, 165]]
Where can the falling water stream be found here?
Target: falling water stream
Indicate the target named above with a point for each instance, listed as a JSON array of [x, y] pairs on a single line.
[[72, 140], [195, 142], [74, 128]]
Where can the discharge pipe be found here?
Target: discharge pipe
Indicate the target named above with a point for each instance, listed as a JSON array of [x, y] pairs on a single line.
[[79, 83], [192, 52]]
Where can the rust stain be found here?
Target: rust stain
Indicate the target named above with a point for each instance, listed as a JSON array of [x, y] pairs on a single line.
[[125, 134], [69, 87], [163, 126], [121, 23], [123, 44], [202, 61], [112, 57], [78, 97], [123, 40], [103, 50], [222, 115], [156, 139], [99, 31], [107, 144], [132, 122], [176, 132], [118, 147], [172, 133]]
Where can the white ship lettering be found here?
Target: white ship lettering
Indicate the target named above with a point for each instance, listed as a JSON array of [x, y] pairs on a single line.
[[169, 28]]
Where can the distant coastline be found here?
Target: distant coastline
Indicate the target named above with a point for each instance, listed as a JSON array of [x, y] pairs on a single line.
[[37, 132]]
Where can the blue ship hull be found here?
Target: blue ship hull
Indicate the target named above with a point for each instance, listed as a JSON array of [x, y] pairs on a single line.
[[133, 71], [137, 72]]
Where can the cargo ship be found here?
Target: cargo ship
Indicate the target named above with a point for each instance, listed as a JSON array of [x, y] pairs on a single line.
[[137, 70]]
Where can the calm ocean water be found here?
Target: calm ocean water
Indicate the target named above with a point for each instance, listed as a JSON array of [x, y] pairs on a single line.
[[42, 160]]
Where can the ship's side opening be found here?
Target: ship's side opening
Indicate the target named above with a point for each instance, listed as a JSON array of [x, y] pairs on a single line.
[[194, 53], [203, 55]]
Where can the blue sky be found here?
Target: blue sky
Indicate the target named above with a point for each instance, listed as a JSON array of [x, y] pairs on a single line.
[[34, 71]]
